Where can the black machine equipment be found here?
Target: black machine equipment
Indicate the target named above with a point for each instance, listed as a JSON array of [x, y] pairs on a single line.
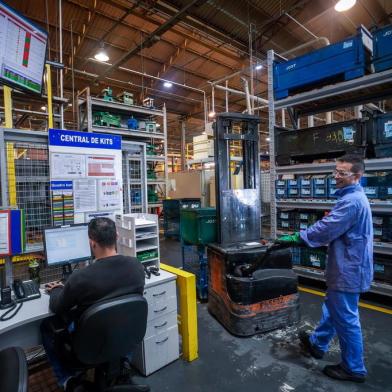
[[252, 288]]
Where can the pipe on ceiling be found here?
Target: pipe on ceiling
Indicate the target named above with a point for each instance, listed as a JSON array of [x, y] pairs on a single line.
[[238, 92]]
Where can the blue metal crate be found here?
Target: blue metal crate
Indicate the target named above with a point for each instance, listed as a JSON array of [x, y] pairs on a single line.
[[293, 193], [331, 188], [372, 192], [306, 192], [346, 59], [320, 192], [194, 260], [382, 48]]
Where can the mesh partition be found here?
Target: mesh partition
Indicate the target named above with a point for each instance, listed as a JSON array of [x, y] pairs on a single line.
[[28, 187]]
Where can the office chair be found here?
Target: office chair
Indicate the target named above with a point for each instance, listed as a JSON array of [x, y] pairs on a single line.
[[105, 333], [13, 370]]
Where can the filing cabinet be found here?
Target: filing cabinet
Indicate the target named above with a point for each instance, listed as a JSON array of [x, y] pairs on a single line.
[[161, 341]]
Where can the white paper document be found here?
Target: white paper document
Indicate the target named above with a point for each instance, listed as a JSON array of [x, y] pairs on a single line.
[[67, 166], [85, 195]]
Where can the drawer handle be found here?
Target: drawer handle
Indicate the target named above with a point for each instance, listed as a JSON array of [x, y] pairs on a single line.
[[160, 326], [163, 341], [159, 294], [160, 310]]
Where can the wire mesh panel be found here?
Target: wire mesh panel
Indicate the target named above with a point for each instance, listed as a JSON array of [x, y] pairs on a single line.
[[28, 187], [134, 178]]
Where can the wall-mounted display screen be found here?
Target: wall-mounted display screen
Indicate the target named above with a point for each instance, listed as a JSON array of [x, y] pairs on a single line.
[[22, 51]]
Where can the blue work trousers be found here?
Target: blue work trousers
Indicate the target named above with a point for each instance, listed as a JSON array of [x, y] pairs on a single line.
[[340, 316]]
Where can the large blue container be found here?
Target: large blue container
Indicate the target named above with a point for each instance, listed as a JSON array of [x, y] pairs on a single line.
[[382, 48], [348, 59]]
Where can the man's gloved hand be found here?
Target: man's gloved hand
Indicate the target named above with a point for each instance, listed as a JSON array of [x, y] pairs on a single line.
[[289, 239]]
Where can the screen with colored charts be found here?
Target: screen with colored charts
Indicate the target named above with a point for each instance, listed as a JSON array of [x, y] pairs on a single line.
[[67, 244], [22, 51]]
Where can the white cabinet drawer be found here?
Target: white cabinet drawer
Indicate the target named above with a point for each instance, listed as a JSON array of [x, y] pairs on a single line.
[[161, 324], [161, 299], [161, 349]]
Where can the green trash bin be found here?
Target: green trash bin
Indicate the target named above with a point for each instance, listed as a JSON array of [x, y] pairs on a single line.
[[198, 226]]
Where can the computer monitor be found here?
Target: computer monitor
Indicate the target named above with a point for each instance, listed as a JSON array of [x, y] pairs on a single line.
[[22, 51], [66, 244]]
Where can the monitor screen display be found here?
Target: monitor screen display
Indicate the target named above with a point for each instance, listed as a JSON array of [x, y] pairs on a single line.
[[22, 51], [68, 244]]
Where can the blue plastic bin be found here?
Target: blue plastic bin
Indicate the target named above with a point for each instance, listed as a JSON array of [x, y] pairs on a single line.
[[382, 48], [348, 59]]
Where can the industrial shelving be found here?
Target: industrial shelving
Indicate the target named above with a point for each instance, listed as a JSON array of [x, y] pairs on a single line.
[[88, 104], [331, 97]]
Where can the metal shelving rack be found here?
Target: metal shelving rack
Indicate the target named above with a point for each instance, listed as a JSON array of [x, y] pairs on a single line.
[[87, 104], [345, 94]]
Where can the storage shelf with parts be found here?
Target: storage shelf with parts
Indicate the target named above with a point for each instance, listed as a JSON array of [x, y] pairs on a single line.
[[315, 204], [138, 236], [353, 92], [145, 124], [312, 273], [305, 157]]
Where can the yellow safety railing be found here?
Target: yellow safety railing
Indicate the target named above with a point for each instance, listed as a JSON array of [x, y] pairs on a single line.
[[7, 106], [49, 93], [11, 176], [186, 284]]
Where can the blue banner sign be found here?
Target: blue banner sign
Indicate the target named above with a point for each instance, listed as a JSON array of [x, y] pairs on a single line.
[[61, 185], [60, 137]]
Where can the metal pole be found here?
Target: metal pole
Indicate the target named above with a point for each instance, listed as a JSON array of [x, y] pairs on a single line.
[[271, 127], [227, 96], [252, 91], [183, 158], [61, 61], [213, 99]]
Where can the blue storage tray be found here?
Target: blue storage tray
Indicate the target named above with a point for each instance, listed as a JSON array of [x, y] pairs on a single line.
[[281, 193], [320, 192], [346, 59], [306, 192], [293, 193], [382, 48], [372, 192]]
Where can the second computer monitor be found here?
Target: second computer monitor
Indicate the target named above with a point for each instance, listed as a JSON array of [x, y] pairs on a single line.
[[67, 244]]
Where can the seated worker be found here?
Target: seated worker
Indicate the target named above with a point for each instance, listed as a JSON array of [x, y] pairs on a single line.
[[110, 273]]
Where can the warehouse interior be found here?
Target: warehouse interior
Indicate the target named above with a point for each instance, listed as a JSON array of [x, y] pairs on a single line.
[[241, 155]]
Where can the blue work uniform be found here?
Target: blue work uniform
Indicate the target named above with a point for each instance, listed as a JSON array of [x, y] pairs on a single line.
[[348, 232]]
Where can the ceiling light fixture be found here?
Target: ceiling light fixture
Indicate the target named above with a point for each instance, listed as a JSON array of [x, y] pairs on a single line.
[[211, 114], [344, 5], [101, 55], [43, 108], [168, 84], [258, 67], [267, 139]]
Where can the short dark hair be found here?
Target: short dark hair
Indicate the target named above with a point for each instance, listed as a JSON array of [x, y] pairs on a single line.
[[103, 231], [356, 161]]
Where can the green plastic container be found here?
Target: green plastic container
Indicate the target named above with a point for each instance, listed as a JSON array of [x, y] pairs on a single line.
[[198, 226]]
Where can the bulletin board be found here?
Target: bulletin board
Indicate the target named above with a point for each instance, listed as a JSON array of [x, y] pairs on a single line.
[[85, 176]]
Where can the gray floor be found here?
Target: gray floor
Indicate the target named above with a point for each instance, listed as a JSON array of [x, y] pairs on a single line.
[[274, 361]]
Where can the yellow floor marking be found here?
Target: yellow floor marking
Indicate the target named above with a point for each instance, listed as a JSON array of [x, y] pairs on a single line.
[[361, 304]]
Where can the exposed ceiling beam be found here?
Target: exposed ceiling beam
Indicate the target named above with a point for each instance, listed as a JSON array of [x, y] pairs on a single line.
[[152, 37]]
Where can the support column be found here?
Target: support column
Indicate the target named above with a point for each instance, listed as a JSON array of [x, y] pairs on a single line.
[[183, 152]]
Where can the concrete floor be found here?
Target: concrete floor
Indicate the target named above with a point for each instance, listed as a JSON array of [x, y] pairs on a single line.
[[274, 361]]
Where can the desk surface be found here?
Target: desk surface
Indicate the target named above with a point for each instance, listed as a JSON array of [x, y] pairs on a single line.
[[37, 309]]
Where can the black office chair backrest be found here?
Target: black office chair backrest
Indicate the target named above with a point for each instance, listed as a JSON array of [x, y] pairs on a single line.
[[110, 329], [13, 370]]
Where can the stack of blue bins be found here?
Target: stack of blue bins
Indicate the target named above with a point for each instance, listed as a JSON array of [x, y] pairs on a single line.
[[348, 59], [319, 187], [331, 188], [281, 189], [382, 49], [293, 188], [306, 187]]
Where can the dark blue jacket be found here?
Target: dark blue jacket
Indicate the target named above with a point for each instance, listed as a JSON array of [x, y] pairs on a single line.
[[348, 232]]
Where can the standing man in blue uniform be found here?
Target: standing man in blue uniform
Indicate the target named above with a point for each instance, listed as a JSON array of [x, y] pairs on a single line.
[[348, 232]]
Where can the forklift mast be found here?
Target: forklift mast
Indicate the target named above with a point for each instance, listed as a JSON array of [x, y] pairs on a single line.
[[238, 210]]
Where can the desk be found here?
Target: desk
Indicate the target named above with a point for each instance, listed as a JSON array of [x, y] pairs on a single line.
[[23, 330]]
